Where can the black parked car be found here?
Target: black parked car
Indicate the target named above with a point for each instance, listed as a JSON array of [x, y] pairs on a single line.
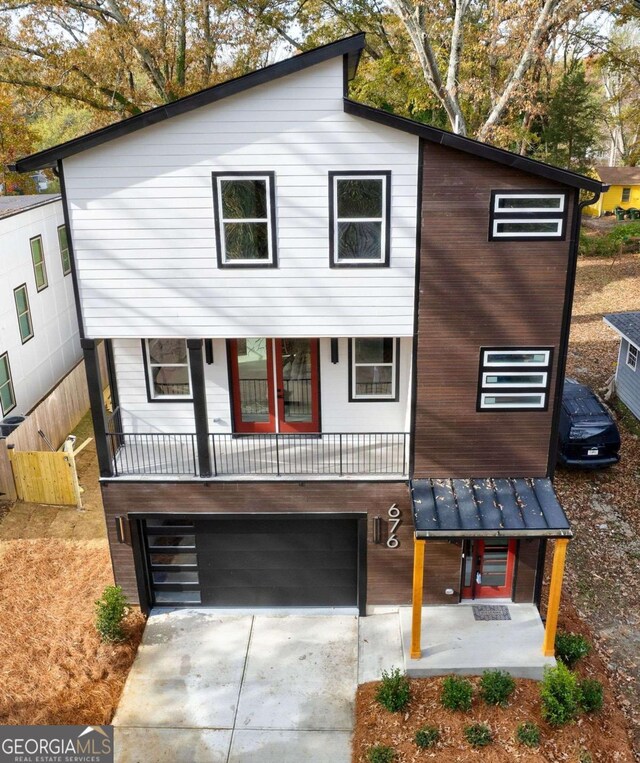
[[589, 437]]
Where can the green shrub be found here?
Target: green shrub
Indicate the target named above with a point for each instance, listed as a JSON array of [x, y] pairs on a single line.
[[560, 695], [381, 754], [427, 736], [622, 233], [111, 609], [571, 647], [591, 695], [496, 686], [478, 735], [457, 693], [528, 734], [394, 692], [597, 246]]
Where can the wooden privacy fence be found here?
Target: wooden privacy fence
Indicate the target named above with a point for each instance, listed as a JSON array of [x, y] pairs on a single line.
[[43, 477]]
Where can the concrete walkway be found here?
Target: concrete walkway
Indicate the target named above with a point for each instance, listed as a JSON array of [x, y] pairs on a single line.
[[239, 688]]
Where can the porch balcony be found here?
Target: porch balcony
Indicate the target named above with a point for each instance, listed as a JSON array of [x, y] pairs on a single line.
[[321, 455]]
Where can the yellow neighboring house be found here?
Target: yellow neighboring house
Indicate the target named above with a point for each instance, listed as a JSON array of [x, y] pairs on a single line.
[[624, 191]]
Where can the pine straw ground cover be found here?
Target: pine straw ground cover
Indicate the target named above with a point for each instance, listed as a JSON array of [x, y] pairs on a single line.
[[53, 667]]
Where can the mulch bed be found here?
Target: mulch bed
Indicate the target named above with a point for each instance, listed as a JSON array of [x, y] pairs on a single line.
[[53, 667]]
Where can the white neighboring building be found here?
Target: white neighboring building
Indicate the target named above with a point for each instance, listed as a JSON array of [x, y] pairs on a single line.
[[39, 338]]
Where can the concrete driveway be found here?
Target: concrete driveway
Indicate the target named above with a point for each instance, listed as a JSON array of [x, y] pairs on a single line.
[[216, 688]]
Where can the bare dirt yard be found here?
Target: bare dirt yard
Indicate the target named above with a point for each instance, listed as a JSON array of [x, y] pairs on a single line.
[[54, 564]]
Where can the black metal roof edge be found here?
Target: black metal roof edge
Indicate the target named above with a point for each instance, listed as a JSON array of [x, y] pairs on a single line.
[[526, 533], [350, 46], [475, 147]]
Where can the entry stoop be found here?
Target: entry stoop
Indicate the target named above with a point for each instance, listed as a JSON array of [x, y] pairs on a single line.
[[454, 641]]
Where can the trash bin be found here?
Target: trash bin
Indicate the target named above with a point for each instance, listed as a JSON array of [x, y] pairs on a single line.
[[634, 214], [8, 424], [619, 213]]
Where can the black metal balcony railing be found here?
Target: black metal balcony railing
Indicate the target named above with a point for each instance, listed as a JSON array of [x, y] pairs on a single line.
[[340, 454]]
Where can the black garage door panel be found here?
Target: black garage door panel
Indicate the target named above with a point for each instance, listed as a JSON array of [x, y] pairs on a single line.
[[278, 562]]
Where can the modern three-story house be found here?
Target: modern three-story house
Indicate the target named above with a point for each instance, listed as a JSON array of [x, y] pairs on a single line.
[[336, 336]]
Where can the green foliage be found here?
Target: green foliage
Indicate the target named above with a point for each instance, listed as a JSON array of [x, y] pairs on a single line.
[[596, 246], [528, 734], [478, 735], [560, 695], [381, 754], [621, 234], [608, 244], [427, 736], [496, 686], [393, 692], [571, 647], [591, 695], [111, 609], [457, 693]]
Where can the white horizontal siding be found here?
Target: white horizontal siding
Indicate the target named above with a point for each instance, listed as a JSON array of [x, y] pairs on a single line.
[[143, 229]]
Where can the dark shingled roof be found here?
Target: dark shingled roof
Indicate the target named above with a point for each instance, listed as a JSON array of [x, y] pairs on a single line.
[[619, 175], [487, 507], [13, 205], [626, 324]]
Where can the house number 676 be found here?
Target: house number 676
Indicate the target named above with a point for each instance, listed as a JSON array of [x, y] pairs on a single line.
[[394, 523]]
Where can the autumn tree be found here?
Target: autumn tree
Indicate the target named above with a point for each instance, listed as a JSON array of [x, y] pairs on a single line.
[[16, 140]]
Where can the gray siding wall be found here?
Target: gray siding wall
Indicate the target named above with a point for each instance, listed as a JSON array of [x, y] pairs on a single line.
[[628, 381]]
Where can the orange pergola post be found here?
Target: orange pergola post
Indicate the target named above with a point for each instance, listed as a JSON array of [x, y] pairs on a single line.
[[555, 592], [416, 614]]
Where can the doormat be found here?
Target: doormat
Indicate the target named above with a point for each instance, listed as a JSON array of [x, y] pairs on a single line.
[[491, 612]]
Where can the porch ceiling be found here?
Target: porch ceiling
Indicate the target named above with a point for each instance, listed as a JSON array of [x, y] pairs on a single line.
[[487, 507]]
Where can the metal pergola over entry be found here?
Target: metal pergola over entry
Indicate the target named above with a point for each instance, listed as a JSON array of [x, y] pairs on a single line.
[[449, 509]]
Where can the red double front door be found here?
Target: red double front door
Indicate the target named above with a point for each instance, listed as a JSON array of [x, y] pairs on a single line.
[[275, 385], [487, 568]]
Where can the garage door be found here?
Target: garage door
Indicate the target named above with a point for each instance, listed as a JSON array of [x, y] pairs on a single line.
[[252, 561]]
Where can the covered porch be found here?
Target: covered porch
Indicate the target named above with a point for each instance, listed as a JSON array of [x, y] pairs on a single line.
[[484, 627]]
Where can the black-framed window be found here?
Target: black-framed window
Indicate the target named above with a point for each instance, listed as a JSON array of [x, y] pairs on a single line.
[[374, 369], [7, 393], [23, 311], [632, 356], [626, 195], [360, 218], [167, 369], [245, 219], [514, 378], [63, 243], [39, 266], [528, 216]]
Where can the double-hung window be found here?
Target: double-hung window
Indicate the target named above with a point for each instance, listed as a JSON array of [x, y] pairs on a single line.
[[63, 243], [527, 215], [359, 215], [39, 267], [514, 378], [25, 325], [167, 365], [373, 366], [7, 394], [626, 195], [245, 219], [632, 356]]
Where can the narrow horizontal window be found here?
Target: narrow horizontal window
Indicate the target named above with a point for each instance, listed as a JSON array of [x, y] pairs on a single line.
[[39, 266], [177, 541], [167, 362], [7, 394], [632, 357], [523, 202], [63, 243], [524, 228], [514, 379], [25, 325], [245, 219], [173, 558], [516, 357], [359, 218], [374, 369], [512, 400], [527, 215]]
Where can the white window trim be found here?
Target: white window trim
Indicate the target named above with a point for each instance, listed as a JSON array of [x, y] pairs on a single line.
[[151, 366], [633, 365], [337, 220], [394, 371], [224, 220], [509, 210], [502, 364], [527, 234], [519, 406], [498, 385]]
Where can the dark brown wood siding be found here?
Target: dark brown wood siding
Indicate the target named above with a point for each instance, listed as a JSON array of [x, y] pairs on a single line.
[[476, 293], [526, 571], [389, 571], [442, 569]]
